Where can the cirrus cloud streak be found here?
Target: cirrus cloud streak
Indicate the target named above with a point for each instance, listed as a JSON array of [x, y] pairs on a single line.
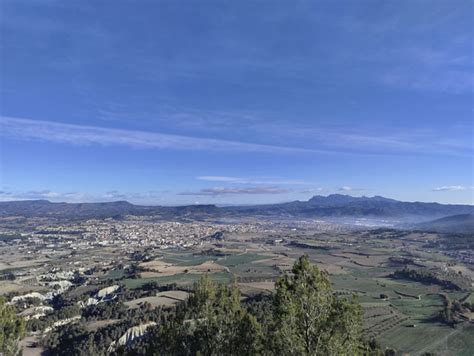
[[227, 191], [26, 129], [451, 188]]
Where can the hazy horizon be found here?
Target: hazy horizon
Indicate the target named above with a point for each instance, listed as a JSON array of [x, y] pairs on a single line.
[[151, 203]]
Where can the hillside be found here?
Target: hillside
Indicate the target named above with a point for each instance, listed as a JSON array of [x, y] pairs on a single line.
[[117, 209], [463, 223], [339, 206]]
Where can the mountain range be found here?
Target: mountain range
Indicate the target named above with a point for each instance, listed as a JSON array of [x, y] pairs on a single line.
[[45, 208], [332, 206]]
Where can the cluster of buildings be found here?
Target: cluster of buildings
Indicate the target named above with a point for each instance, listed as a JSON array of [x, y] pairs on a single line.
[[40, 261], [126, 234]]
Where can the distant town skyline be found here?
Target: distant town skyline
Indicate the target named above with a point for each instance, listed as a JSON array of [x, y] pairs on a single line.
[[247, 102]]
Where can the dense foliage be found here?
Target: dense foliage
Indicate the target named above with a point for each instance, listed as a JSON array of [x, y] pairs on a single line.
[[309, 319], [211, 322], [448, 280], [12, 329], [76, 339], [453, 311]]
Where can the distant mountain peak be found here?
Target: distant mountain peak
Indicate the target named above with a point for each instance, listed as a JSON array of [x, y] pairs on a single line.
[[334, 199], [381, 198]]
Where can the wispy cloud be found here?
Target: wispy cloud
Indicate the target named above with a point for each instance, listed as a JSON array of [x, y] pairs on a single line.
[[27, 129], [451, 188], [448, 81], [270, 125], [312, 190], [376, 140], [327, 141], [227, 191], [346, 188], [243, 180]]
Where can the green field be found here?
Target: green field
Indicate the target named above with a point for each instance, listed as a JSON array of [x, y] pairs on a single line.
[[404, 322], [183, 279], [470, 299], [115, 274], [241, 259], [431, 337], [188, 260]]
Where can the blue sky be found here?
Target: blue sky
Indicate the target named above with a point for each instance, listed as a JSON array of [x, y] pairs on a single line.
[[238, 102]]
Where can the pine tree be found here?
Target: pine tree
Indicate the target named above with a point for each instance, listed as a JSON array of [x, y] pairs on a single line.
[[309, 319], [12, 329], [212, 322]]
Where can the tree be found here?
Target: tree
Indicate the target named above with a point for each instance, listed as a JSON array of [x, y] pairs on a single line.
[[211, 322], [309, 319], [12, 329]]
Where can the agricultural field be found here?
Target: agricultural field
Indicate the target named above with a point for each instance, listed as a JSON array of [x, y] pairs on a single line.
[[162, 299], [183, 280], [400, 314]]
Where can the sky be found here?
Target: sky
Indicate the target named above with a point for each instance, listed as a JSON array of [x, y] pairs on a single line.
[[173, 102]]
